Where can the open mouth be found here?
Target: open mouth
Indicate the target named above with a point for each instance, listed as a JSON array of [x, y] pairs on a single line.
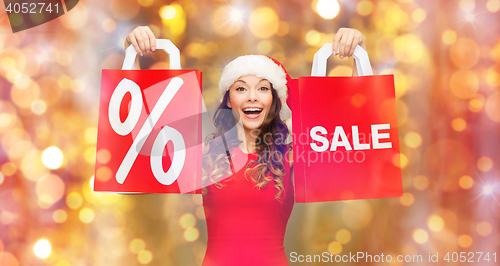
[[252, 111]]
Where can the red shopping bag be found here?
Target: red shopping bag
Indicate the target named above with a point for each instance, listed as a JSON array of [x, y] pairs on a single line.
[[345, 131], [149, 132]]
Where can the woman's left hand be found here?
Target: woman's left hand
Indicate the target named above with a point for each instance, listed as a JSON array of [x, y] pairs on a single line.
[[346, 40]]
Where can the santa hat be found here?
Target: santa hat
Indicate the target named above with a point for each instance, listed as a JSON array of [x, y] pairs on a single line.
[[261, 66]]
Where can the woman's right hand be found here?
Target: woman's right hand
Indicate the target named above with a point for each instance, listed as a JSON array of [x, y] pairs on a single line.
[[143, 40]]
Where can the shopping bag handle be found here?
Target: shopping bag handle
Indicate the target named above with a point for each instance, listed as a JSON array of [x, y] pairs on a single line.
[[360, 55], [164, 44]]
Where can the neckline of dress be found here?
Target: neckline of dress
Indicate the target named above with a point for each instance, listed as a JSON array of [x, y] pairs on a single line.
[[245, 152]]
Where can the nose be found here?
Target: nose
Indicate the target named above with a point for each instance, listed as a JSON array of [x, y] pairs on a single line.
[[252, 95]]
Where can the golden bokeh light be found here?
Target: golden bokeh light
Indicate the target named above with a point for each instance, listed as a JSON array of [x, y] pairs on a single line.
[[108, 25], [458, 124], [419, 15], [328, 9], [407, 199], [187, 220], [465, 241], [493, 5], [343, 236], [136, 245], [420, 236], [86, 215], [42, 248], [52, 157], [264, 47], [475, 105], [38, 107], [435, 223], [335, 248], [263, 22], [74, 200], [358, 100], [413, 140], [465, 182], [59, 216], [103, 173], [145, 257], [8, 169], [124, 9], [364, 8], [464, 84], [191, 234], [168, 12], [400, 160], [484, 163], [449, 37], [467, 5], [313, 37], [484, 228], [8, 259], [420, 182], [464, 53], [224, 23]]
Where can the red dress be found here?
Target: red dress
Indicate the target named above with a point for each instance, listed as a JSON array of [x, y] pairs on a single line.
[[246, 225]]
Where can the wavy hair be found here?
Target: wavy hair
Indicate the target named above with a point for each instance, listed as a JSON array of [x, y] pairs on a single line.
[[270, 146]]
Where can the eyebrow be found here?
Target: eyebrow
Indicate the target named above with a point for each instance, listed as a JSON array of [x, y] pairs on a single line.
[[245, 82]]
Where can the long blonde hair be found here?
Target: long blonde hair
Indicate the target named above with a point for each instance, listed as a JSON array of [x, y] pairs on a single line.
[[270, 146]]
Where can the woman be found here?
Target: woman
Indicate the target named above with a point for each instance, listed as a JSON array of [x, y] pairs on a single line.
[[247, 208]]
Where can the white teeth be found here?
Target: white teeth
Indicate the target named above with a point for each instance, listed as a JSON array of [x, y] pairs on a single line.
[[252, 109]]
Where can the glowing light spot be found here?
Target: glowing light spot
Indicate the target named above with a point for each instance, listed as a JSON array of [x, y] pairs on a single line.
[[2, 178], [435, 223], [420, 236], [264, 47], [52, 157], [328, 9], [485, 163], [465, 241], [458, 124], [358, 100], [8, 168], [400, 160], [493, 5], [357, 214], [313, 37], [226, 22], [464, 84], [464, 53], [465, 182], [103, 173], [38, 107], [42, 248], [187, 220], [49, 189], [449, 37], [191, 234], [86, 215], [168, 12], [419, 15], [420, 182], [236, 15], [59, 216], [488, 189], [6, 258], [469, 17], [263, 22], [335, 248], [145, 257], [91, 135], [364, 8], [343, 236], [475, 105], [407, 199], [74, 200], [103, 156], [413, 140], [137, 245], [200, 212], [108, 25], [483, 228]]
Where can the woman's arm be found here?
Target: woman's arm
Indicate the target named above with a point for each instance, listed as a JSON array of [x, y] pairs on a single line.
[[345, 42], [143, 40]]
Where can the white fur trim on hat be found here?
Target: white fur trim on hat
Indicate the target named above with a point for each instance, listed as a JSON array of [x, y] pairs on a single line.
[[258, 65]]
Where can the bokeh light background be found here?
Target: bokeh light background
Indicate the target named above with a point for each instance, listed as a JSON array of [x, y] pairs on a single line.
[[446, 59]]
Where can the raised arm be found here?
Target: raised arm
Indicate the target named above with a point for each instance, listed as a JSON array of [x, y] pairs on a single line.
[[143, 40], [345, 42]]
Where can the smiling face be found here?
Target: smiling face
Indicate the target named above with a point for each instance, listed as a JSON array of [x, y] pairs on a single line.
[[250, 99]]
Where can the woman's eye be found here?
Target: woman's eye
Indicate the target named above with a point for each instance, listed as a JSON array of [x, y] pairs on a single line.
[[240, 89], [264, 88]]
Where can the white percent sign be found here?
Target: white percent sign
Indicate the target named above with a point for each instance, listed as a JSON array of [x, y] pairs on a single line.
[[167, 133]]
